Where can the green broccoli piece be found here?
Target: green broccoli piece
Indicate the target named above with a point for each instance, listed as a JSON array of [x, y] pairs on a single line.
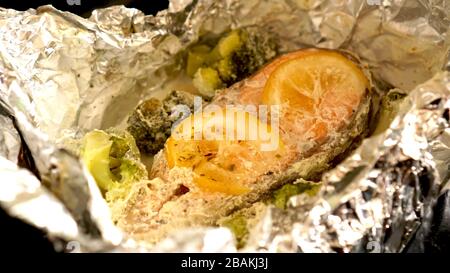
[[238, 226], [149, 125], [229, 44], [234, 57], [207, 80], [257, 49], [241, 221], [113, 159], [151, 122], [389, 107], [226, 70], [197, 56], [281, 196]]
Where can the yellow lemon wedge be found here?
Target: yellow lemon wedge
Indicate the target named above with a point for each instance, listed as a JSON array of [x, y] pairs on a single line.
[[318, 91], [225, 149]]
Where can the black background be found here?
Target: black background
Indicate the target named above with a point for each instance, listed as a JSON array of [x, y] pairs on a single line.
[[16, 236], [86, 6]]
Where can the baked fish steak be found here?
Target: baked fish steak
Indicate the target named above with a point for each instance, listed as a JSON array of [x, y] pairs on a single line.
[[295, 118]]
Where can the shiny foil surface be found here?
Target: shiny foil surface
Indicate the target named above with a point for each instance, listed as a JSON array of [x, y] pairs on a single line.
[[62, 75]]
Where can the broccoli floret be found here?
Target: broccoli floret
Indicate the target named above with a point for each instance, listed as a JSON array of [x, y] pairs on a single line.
[[257, 49], [149, 125], [113, 159], [226, 69], [234, 57], [242, 221], [151, 122], [196, 58], [230, 43], [238, 226], [389, 107], [281, 196], [207, 81]]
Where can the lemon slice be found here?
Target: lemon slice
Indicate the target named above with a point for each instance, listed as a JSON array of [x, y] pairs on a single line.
[[226, 159], [212, 178], [318, 92]]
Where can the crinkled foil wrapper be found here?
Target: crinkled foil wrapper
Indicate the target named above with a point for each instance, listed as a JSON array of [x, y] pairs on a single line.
[[62, 75]]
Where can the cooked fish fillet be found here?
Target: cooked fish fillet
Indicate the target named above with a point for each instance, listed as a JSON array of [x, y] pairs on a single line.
[[324, 100]]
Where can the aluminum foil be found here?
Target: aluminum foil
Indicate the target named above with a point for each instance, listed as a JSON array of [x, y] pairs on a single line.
[[62, 75], [377, 198]]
